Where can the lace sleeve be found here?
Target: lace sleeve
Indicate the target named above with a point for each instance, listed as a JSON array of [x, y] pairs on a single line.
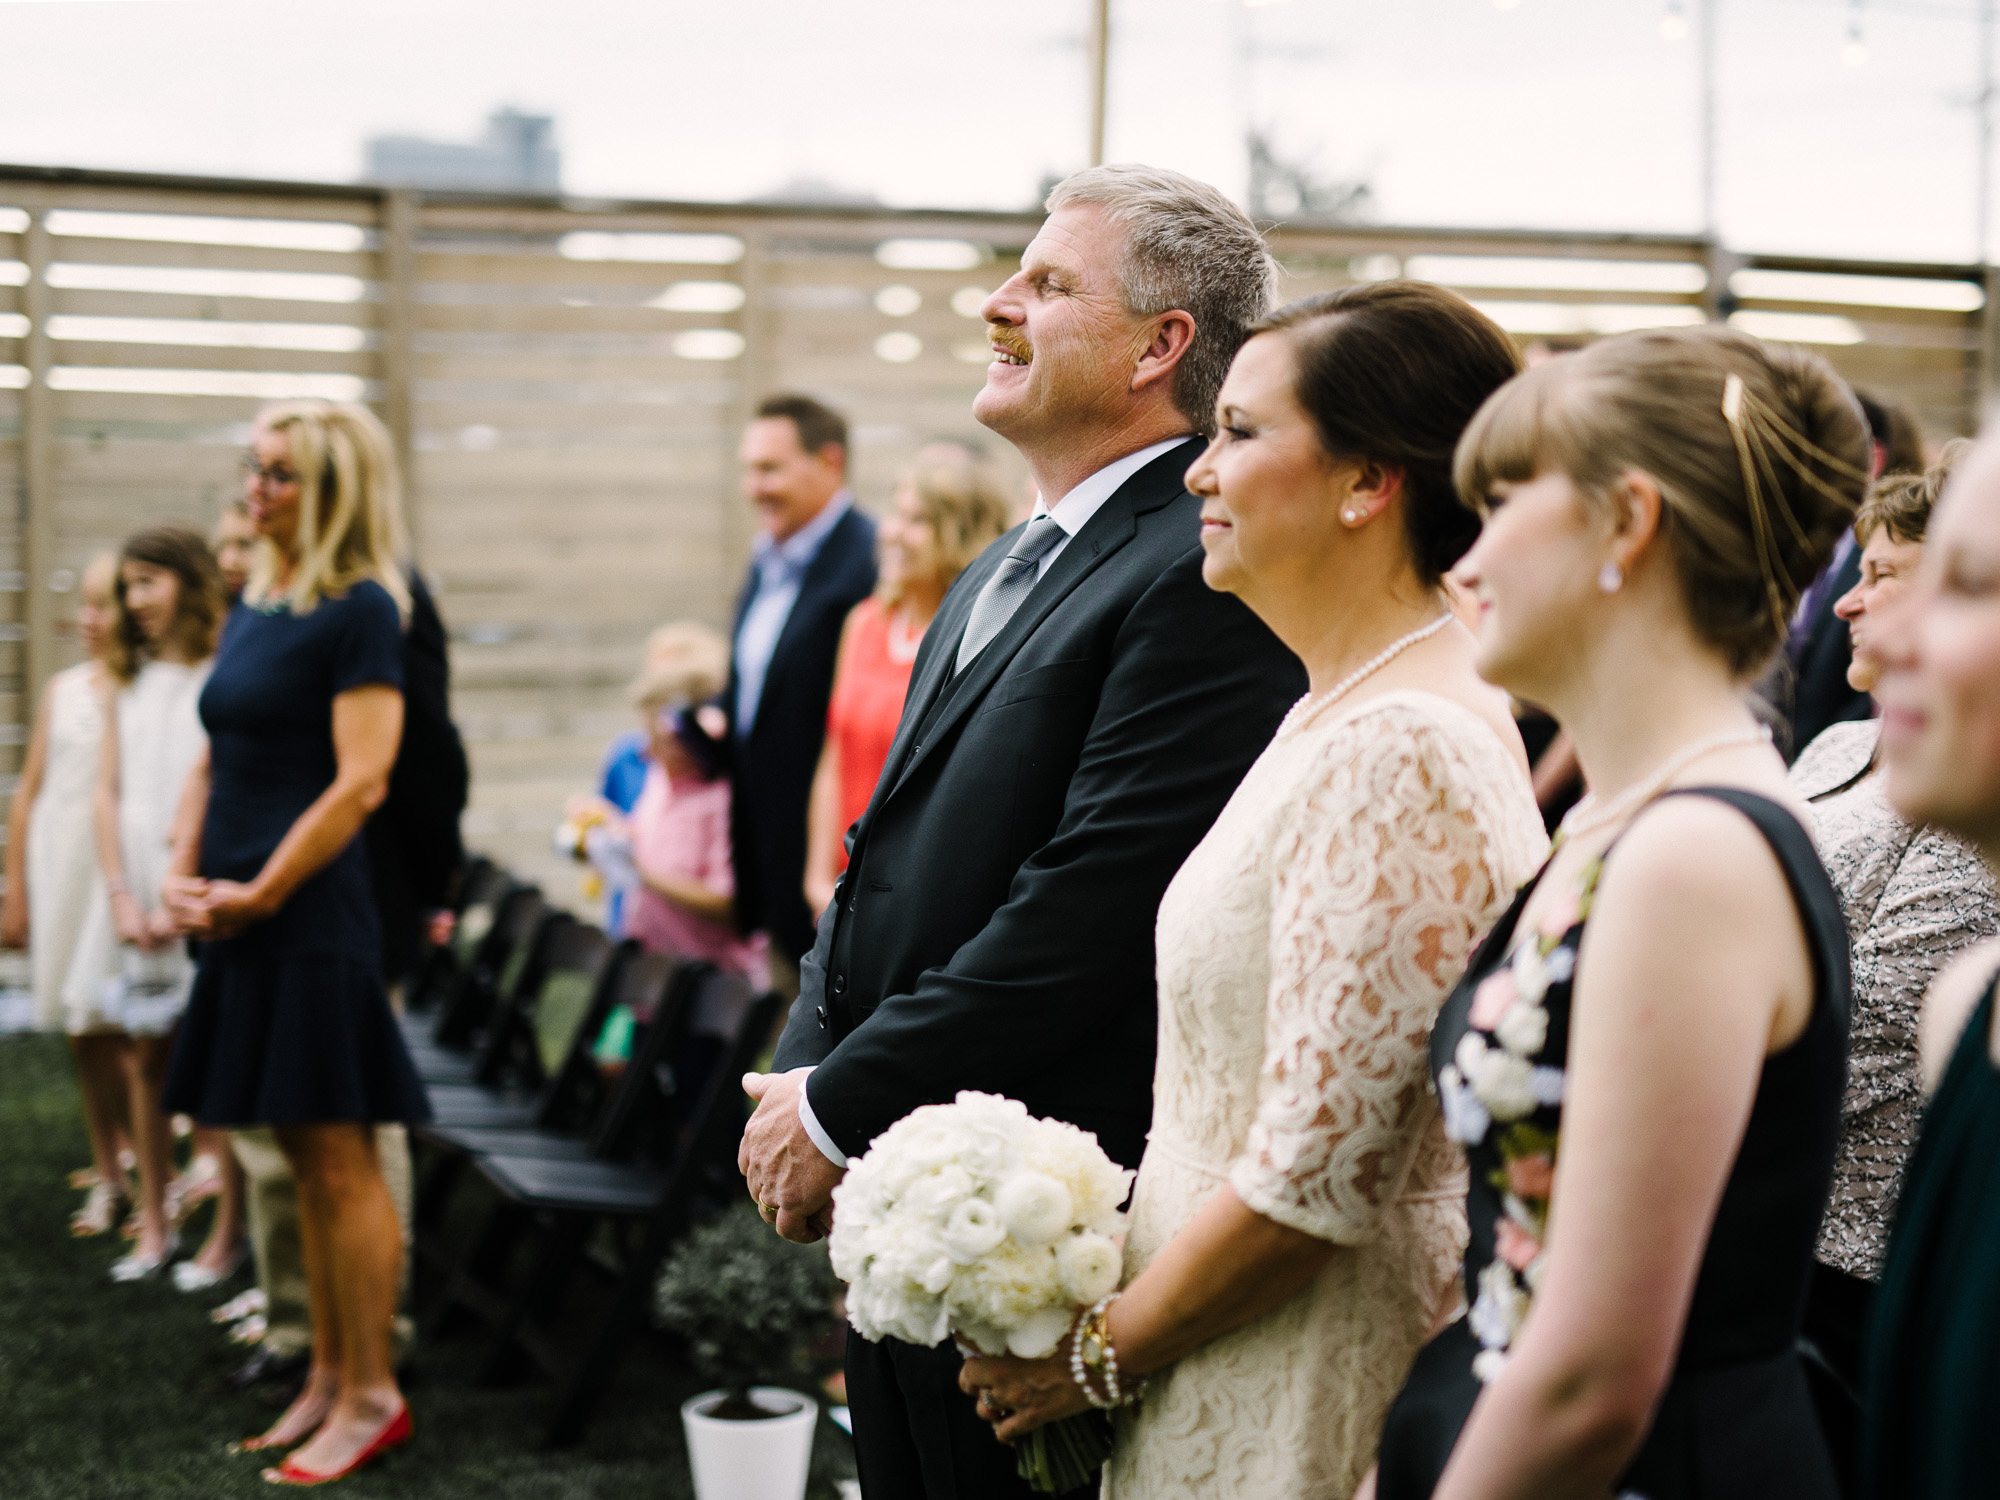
[[1385, 878]]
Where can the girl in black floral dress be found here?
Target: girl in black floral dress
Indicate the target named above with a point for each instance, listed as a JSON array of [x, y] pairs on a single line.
[[1644, 1061]]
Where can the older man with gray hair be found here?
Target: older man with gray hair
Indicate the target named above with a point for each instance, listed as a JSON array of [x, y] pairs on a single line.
[[1080, 711]]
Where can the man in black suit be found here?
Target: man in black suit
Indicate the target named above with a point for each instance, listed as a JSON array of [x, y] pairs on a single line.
[[814, 561], [1080, 710]]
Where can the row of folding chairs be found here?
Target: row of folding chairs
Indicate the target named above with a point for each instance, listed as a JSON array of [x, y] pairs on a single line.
[[557, 1172]]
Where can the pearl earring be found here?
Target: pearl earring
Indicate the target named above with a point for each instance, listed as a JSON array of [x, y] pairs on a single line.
[[1350, 516], [1610, 577]]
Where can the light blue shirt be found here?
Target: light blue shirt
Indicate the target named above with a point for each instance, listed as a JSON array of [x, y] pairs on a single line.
[[781, 568]]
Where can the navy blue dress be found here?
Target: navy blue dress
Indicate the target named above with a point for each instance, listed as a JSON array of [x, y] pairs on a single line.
[[289, 1022]]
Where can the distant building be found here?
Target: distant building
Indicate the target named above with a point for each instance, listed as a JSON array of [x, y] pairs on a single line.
[[517, 154]]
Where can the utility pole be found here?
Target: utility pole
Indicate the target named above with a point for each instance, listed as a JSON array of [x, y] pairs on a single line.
[[1100, 67], [1983, 188], [1708, 214]]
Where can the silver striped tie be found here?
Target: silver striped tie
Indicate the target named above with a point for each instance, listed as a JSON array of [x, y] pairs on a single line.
[[1011, 582]]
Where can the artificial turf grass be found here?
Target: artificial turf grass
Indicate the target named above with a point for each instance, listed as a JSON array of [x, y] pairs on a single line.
[[115, 1392]]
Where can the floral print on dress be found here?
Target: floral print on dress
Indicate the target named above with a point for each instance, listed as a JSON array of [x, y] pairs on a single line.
[[1501, 1095]]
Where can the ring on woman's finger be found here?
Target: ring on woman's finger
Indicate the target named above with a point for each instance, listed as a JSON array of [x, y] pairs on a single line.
[[768, 1210]]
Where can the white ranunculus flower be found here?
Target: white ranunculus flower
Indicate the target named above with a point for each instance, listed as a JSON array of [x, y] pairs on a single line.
[[1005, 1285], [1089, 1265], [1523, 1029], [973, 1229], [1500, 1308], [1561, 965], [1531, 975], [1503, 1083], [1040, 1332], [1465, 1118], [1547, 1084], [1487, 1364], [1034, 1207], [934, 1196], [983, 1337]]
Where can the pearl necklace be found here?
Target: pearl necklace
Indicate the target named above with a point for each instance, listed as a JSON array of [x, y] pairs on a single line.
[[1587, 817], [1313, 702]]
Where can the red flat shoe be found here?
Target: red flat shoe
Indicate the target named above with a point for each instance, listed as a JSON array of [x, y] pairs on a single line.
[[398, 1432]]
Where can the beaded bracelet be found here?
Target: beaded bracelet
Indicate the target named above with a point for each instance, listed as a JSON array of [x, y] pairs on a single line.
[[1090, 1347]]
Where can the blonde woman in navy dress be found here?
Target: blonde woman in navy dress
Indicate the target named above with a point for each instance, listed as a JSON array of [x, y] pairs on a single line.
[[289, 1025]]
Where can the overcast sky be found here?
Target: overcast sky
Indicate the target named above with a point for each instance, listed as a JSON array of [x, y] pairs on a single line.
[[1546, 114]]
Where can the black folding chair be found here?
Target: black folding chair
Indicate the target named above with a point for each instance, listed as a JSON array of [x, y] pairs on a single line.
[[476, 895], [590, 1112], [614, 1217], [499, 963], [575, 1090]]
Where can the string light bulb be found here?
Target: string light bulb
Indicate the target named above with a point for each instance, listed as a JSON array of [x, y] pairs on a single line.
[[1674, 24]]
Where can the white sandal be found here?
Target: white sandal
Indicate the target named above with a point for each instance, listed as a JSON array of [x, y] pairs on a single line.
[[102, 1211], [192, 1276], [137, 1267], [239, 1307]]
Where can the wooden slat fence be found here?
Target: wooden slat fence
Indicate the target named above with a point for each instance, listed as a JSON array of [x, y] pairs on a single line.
[[568, 380]]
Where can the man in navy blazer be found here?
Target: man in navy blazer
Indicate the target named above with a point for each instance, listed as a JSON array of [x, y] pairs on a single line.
[[1080, 710], [814, 561]]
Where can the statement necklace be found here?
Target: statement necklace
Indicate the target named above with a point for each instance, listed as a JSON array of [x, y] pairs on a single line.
[[1587, 816], [1313, 702]]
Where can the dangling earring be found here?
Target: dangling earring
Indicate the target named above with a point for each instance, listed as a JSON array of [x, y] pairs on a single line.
[[1610, 577]]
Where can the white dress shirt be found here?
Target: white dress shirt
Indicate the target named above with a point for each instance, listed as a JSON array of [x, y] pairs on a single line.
[[781, 568], [1071, 513]]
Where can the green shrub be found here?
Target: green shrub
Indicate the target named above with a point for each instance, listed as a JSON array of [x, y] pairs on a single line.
[[748, 1304]]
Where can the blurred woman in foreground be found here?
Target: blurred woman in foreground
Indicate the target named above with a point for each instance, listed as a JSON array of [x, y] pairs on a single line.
[[1933, 1381]]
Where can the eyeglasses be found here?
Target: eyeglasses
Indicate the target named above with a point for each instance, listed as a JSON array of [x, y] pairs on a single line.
[[272, 474]]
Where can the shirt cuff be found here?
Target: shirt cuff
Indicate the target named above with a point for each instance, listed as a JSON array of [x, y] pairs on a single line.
[[817, 1131]]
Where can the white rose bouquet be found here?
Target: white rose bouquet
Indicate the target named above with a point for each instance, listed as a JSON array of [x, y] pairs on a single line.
[[978, 1220]]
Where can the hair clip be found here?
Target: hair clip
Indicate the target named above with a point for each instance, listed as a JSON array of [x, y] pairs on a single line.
[[1732, 399]]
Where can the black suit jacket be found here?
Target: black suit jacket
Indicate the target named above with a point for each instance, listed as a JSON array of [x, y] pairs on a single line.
[[1821, 696], [771, 778], [994, 929]]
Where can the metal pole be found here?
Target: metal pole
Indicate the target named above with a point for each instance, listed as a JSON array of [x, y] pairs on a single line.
[[1100, 66], [1708, 214], [1983, 188]]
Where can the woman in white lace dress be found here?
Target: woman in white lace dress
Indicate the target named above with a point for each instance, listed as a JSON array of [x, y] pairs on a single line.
[[1296, 1224]]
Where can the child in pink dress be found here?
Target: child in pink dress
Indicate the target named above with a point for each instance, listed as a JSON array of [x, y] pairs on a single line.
[[679, 827]]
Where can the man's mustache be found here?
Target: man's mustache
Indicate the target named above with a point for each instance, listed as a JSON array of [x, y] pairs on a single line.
[[1006, 339]]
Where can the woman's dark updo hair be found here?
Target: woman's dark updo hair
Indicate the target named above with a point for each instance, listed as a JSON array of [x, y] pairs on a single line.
[[1390, 372]]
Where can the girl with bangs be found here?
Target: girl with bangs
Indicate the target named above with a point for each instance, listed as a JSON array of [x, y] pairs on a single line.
[[1644, 1061], [289, 1024]]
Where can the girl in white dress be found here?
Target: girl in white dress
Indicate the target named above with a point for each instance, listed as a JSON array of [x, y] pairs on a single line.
[[170, 604], [53, 885], [1295, 1223]]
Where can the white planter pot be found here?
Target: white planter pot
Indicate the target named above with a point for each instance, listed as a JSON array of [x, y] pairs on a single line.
[[756, 1460]]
